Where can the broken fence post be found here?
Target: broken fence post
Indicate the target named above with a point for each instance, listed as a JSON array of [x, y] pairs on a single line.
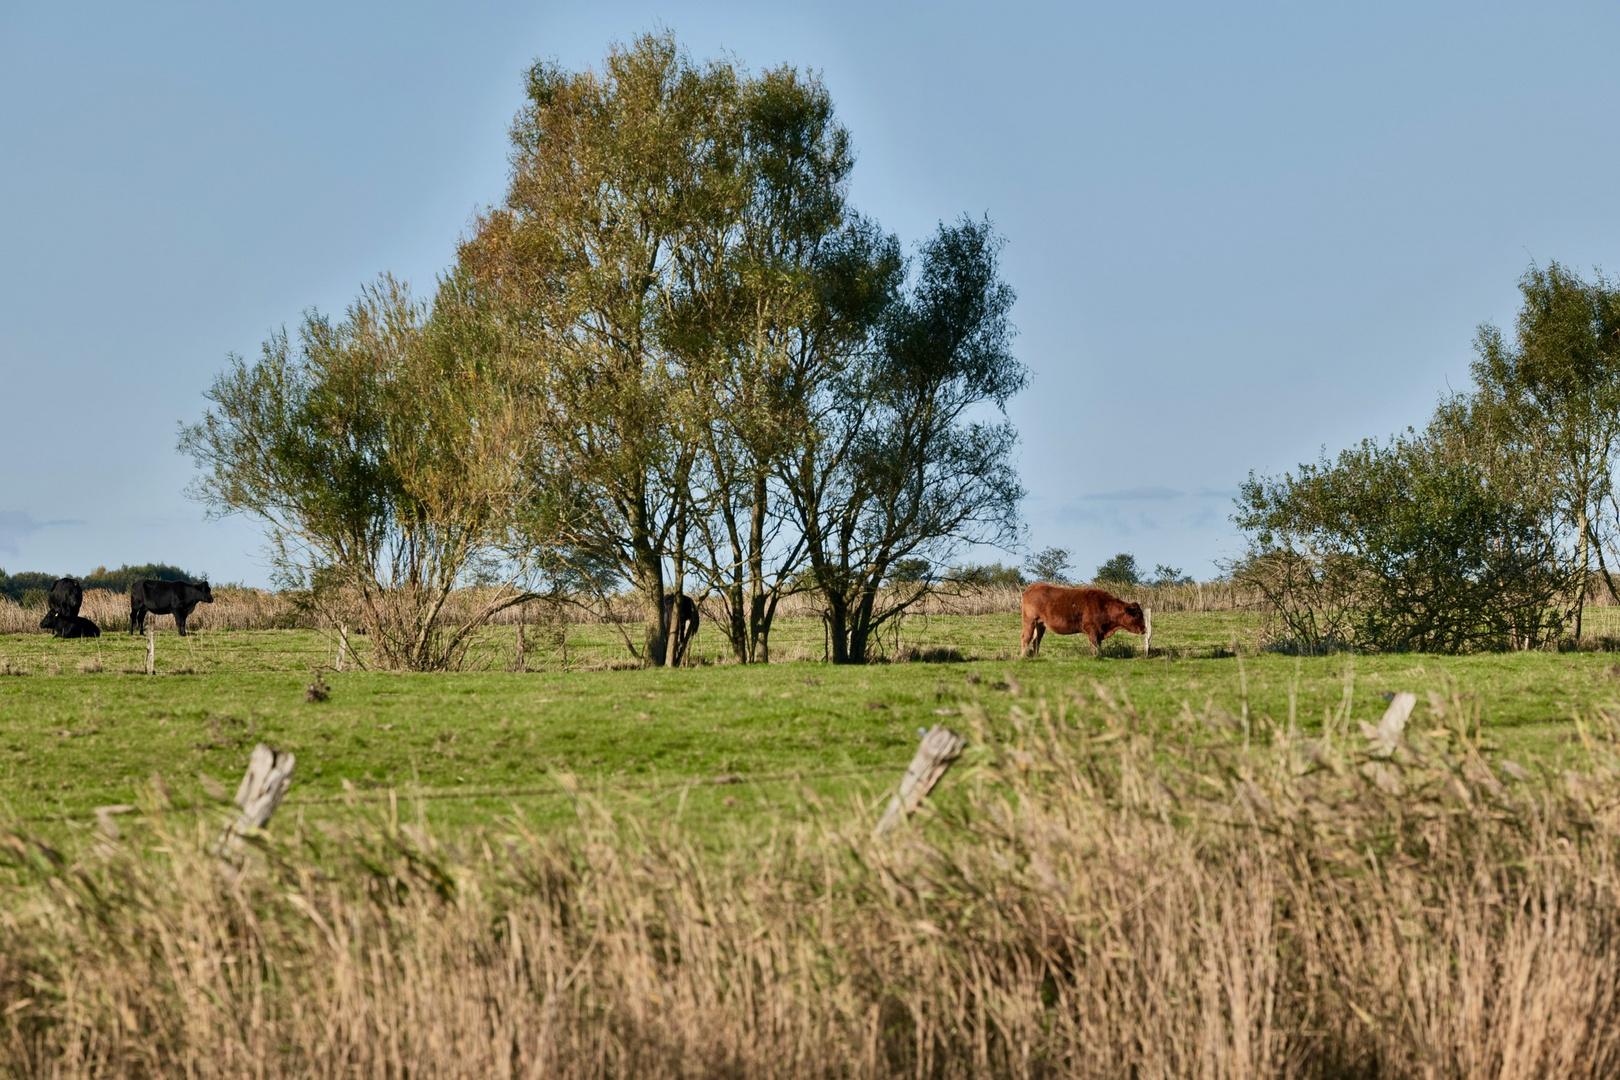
[[151, 651], [104, 818], [269, 775], [939, 748]]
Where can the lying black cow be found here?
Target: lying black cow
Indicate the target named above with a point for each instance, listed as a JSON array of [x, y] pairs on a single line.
[[69, 626], [684, 630], [64, 599], [177, 598]]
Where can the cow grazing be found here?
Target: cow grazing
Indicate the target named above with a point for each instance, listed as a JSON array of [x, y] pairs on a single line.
[[150, 597], [686, 628], [64, 598], [70, 626], [1091, 612]]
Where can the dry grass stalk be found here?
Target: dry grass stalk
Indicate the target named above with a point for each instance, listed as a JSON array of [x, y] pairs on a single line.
[[259, 609], [1095, 900], [232, 609]]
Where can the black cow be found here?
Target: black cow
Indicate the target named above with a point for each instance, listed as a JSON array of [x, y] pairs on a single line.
[[69, 626], [686, 629], [177, 598], [64, 599]]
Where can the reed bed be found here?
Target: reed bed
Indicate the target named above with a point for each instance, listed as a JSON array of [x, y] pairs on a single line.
[[1093, 896], [232, 609], [260, 609]]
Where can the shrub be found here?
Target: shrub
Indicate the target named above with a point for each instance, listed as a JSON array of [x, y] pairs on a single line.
[[1169, 576], [119, 580], [985, 576], [1050, 564], [1423, 543], [1120, 570], [911, 572]]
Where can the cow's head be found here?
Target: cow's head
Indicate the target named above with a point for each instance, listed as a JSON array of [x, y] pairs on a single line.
[[207, 593], [49, 621], [1131, 619]]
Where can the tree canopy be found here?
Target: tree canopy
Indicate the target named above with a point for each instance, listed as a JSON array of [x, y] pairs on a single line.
[[673, 356]]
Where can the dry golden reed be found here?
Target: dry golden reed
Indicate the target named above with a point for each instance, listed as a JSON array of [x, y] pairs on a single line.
[[232, 609], [259, 609], [1091, 897]]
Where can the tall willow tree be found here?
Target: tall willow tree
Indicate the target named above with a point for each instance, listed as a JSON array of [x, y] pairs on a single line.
[[907, 451], [1556, 385], [767, 309], [735, 382], [615, 175]]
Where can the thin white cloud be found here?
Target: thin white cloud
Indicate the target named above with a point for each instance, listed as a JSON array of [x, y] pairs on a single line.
[[1140, 494], [16, 526]]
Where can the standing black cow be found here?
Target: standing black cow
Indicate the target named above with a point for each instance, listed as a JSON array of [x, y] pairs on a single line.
[[69, 626], [686, 628], [177, 598], [64, 599]]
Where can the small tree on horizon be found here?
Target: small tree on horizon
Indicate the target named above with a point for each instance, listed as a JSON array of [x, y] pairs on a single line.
[[1050, 564], [1164, 575], [1120, 570]]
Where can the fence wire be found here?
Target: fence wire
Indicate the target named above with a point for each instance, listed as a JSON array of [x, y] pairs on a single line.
[[555, 789]]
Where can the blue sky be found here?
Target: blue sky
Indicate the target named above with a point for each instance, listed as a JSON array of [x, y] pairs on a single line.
[[1238, 232]]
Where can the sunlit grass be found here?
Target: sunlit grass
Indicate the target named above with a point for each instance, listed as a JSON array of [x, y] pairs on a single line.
[[82, 726]]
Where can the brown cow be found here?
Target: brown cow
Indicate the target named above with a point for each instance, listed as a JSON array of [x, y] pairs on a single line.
[[1091, 612]]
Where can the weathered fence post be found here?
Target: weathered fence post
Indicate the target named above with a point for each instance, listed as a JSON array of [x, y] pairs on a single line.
[[518, 663], [343, 646], [269, 775], [1147, 638], [151, 651], [939, 748]]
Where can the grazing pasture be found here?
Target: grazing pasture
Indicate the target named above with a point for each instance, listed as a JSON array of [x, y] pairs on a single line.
[[82, 726]]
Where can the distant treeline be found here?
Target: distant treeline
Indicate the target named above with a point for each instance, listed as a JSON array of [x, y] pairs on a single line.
[[17, 586]]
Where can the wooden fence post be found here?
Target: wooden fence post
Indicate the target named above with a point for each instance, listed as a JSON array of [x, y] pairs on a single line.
[[939, 748], [343, 646], [269, 775], [1147, 639], [151, 651]]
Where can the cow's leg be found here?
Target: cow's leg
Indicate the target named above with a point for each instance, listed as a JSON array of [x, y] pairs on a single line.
[[689, 631], [1096, 640], [1027, 642], [137, 619]]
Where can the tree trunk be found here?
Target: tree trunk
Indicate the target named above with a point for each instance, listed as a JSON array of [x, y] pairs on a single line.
[[737, 620], [838, 626], [860, 628], [758, 627], [760, 619], [672, 631], [1581, 574], [650, 584]]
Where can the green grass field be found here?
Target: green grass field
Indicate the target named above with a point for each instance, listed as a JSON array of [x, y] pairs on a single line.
[[82, 726]]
